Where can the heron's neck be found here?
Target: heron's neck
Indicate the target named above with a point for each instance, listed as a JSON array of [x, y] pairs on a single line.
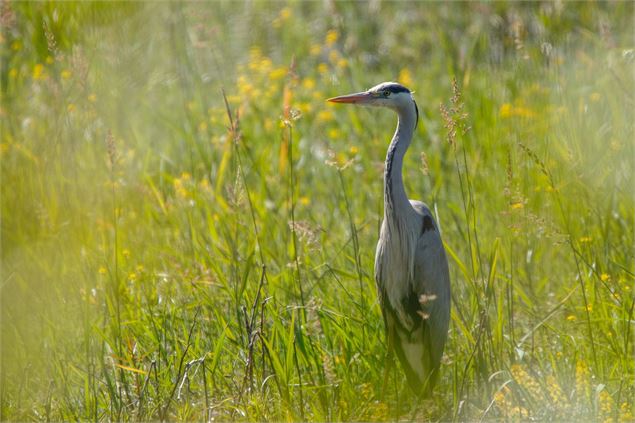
[[396, 203]]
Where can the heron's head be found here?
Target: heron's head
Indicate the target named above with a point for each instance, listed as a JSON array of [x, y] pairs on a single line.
[[387, 94]]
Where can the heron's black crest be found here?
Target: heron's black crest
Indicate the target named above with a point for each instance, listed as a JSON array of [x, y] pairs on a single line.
[[395, 88]]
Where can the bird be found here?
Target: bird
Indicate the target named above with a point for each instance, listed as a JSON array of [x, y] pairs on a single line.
[[411, 267]]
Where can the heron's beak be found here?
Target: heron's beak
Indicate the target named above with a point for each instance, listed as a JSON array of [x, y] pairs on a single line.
[[357, 98]]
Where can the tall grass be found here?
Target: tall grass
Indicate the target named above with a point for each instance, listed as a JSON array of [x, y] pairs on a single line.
[[188, 229]]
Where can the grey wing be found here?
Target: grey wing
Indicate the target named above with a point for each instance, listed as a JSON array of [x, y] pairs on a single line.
[[431, 286]]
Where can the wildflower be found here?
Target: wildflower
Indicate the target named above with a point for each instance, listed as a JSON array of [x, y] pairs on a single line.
[[505, 110], [38, 71], [304, 200], [571, 318], [555, 392], [595, 97], [585, 239], [65, 74], [323, 68], [126, 253], [315, 49], [132, 276], [517, 205], [278, 73], [282, 17], [102, 270], [285, 13], [342, 63], [334, 133], [605, 402], [325, 116], [604, 277], [405, 77], [626, 415], [49, 60], [92, 98], [308, 84], [70, 107], [13, 73], [331, 37], [502, 402], [202, 127], [353, 149], [527, 381], [16, 45], [582, 385]]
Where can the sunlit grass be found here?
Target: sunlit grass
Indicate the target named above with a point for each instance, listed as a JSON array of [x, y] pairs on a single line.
[[167, 255]]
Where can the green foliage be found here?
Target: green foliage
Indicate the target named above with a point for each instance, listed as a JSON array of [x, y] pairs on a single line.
[[167, 255]]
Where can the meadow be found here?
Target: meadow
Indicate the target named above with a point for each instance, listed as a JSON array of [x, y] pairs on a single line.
[[188, 229]]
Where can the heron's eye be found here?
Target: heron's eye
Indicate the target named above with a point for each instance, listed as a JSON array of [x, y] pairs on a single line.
[[385, 93]]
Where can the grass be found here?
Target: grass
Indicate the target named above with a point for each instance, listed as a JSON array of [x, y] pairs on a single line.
[[169, 255]]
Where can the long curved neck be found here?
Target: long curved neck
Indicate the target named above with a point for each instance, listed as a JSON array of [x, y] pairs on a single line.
[[396, 203]]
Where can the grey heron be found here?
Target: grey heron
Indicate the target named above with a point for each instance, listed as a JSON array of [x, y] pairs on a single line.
[[411, 268]]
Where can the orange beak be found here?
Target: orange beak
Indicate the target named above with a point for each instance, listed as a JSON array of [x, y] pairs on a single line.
[[357, 98]]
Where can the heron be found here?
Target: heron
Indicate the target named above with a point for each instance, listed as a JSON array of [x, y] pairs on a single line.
[[411, 267]]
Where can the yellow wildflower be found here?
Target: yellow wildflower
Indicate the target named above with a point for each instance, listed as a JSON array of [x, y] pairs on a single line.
[[282, 17], [126, 253], [202, 126], [70, 107], [571, 318], [92, 97], [527, 381], [132, 276], [331, 37], [49, 60], [558, 397], [626, 415], [353, 149], [38, 71], [315, 49], [16, 45], [517, 205], [585, 239], [334, 134], [308, 83], [405, 77], [342, 63], [278, 73], [305, 201], [605, 402], [604, 277], [505, 110], [285, 13], [13, 73], [582, 385], [323, 68], [66, 74], [595, 97], [325, 115], [102, 270]]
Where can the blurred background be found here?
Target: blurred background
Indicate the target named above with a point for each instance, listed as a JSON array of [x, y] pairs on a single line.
[[170, 255]]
